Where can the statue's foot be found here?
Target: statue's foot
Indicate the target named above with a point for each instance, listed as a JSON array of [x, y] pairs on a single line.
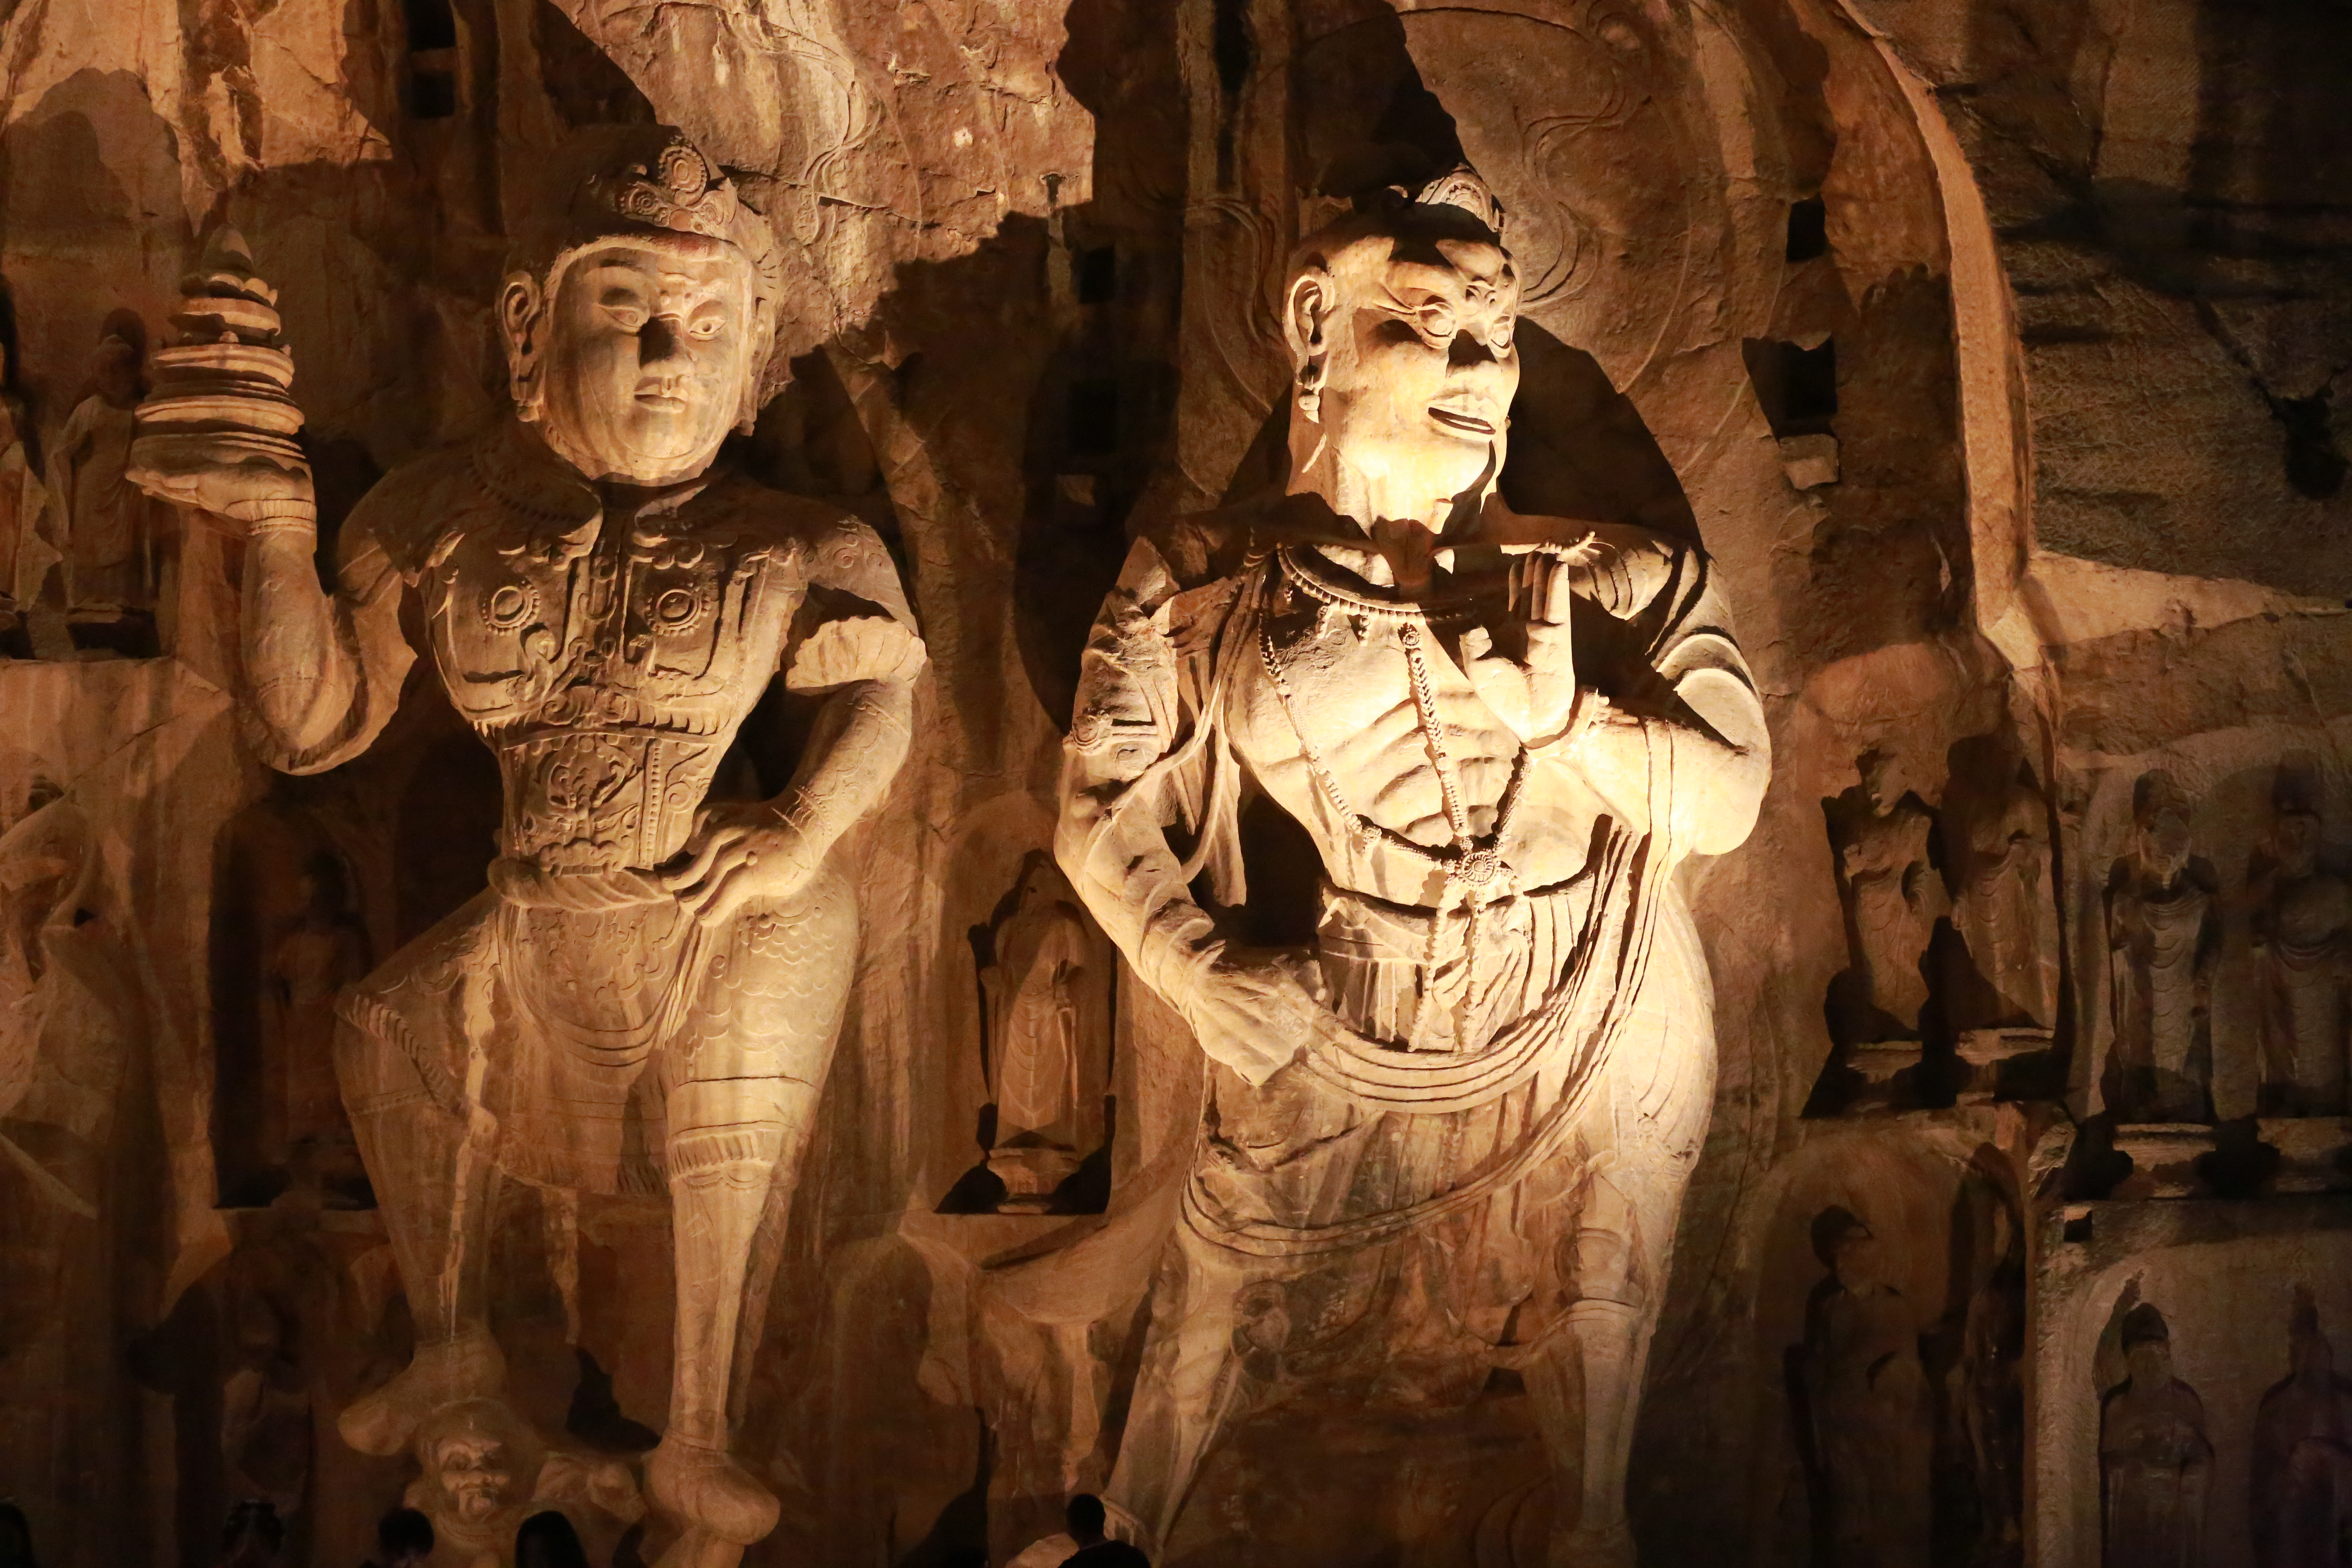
[[1601, 1546], [467, 1367], [710, 1493]]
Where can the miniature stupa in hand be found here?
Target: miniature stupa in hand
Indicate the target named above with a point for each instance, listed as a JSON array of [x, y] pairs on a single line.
[[222, 380]]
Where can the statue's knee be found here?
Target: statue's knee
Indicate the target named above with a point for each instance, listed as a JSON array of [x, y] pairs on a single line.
[[1605, 1266]]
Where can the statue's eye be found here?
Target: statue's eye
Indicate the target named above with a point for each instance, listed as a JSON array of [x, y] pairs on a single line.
[[706, 328], [628, 318], [1500, 337], [1438, 319]]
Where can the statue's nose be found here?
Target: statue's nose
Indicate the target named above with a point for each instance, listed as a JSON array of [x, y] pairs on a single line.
[[1469, 349], [657, 341]]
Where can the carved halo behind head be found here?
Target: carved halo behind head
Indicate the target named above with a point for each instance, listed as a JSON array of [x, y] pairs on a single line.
[[629, 182]]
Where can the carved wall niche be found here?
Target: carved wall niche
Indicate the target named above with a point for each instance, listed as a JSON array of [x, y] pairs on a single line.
[[1890, 1291], [2209, 898], [1942, 856], [2235, 1298], [288, 934]]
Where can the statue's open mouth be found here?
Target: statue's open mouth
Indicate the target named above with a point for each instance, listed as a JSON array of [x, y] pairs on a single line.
[[1461, 419], [662, 402]]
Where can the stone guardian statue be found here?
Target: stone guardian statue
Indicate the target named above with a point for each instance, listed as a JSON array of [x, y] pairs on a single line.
[[647, 996], [1485, 1050]]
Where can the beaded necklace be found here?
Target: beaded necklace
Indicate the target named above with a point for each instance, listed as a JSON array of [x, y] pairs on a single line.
[[1475, 869]]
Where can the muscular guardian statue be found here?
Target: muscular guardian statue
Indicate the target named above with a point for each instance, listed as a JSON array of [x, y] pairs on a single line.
[[647, 996], [1470, 1069]]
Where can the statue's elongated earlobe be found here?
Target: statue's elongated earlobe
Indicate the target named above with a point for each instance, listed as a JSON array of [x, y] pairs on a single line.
[[520, 315]]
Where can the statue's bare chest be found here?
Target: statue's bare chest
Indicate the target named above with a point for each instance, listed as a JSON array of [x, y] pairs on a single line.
[[1381, 710]]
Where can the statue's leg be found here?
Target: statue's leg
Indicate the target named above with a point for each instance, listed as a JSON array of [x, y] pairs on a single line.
[[1642, 1132], [741, 1084], [429, 1150], [1187, 1387], [1586, 1382]]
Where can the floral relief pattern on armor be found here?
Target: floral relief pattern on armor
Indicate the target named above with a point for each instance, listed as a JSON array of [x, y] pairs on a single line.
[[577, 799]]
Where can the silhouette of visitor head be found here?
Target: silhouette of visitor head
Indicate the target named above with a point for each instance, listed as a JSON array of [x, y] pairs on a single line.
[[404, 1539], [1085, 1518], [547, 1541], [16, 1537]]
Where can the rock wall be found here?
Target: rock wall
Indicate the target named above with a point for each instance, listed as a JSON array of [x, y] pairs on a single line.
[[1991, 352]]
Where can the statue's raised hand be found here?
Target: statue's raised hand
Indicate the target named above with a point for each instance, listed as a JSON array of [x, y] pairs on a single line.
[[223, 475], [1540, 589], [1531, 680]]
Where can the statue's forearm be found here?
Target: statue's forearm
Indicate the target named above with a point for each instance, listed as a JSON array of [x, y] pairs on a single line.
[[1714, 768], [862, 737], [297, 673]]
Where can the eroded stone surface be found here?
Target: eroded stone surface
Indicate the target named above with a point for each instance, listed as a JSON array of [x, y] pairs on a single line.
[[1991, 361]]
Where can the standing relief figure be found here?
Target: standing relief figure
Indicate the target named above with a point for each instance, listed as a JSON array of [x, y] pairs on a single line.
[[1045, 1012], [1489, 1055], [1881, 832], [2300, 1486], [2164, 933], [647, 996], [2303, 947], [1872, 1413], [2155, 1463], [107, 526], [25, 555], [1996, 849]]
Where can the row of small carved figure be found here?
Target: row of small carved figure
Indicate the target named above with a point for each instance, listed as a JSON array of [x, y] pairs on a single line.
[[2165, 911], [2157, 1458], [82, 551], [1984, 864]]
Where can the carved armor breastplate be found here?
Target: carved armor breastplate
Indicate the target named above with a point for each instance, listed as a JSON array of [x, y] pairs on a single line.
[[609, 660]]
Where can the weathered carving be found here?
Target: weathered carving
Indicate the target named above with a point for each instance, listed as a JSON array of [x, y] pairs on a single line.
[[486, 1472], [1991, 1391], [1880, 832], [25, 554], [1872, 1415], [326, 950], [1048, 1025], [2302, 1453], [2155, 1463], [647, 995], [107, 523], [1996, 853], [2164, 933], [1441, 1069], [2303, 947]]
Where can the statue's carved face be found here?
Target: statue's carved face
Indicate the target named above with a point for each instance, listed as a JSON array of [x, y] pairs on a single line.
[[1858, 1266], [2151, 1363], [2299, 842], [475, 1475], [1883, 779], [647, 352], [1419, 361]]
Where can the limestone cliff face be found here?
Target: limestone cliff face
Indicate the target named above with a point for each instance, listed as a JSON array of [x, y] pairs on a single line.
[[1995, 353]]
